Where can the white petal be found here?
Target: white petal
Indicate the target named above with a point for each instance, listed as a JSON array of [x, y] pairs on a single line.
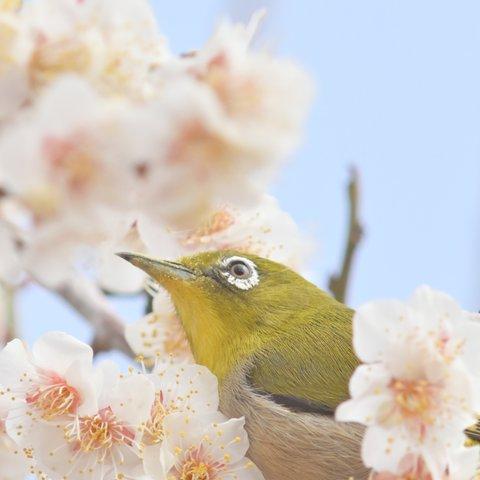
[[383, 450], [367, 378], [373, 326], [229, 438], [188, 387], [464, 463], [80, 377], [132, 399], [56, 351], [364, 409], [14, 362]]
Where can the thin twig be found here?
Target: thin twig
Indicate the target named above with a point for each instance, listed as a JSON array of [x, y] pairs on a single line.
[[339, 283], [89, 301]]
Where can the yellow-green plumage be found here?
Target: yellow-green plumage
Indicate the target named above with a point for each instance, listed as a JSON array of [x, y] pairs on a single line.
[[282, 351]]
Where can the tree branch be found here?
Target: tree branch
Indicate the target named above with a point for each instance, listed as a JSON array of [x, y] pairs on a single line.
[[10, 325], [89, 301], [339, 283]]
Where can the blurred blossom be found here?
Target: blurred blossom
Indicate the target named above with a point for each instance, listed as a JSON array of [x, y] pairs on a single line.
[[114, 44], [418, 387], [125, 143], [265, 230], [464, 462]]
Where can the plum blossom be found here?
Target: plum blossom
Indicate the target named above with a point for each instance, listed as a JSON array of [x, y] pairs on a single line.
[[415, 391], [207, 446], [103, 444], [50, 382], [254, 90], [76, 147]]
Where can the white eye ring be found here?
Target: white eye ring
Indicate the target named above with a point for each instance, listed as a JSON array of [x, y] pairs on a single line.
[[241, 283]]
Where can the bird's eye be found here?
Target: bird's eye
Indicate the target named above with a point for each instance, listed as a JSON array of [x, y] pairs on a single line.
[[240, 272]]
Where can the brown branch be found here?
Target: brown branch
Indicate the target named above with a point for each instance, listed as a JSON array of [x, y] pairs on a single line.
[[89, 301], [339, 283]]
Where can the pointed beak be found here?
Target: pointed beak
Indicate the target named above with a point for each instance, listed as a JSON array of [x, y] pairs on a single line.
[[160, 270]]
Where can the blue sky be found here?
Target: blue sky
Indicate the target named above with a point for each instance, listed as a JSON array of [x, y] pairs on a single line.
[[398, 94]]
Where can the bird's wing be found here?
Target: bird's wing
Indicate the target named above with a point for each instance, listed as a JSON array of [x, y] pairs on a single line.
[[473, 434], [310, 368]]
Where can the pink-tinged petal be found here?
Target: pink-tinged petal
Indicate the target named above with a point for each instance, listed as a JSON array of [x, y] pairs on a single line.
[[132, 398], [383, 449], [80, 378], [373, 327], [56, 351]]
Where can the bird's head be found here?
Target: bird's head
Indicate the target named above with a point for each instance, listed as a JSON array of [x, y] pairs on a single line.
[[230, 303]]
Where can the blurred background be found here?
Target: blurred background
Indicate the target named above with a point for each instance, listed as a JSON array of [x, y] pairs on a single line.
[[398, 95]]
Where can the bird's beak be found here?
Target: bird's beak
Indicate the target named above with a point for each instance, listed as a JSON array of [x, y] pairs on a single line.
[[160, 270]]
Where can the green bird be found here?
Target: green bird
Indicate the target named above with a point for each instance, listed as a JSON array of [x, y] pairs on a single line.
[[282, 351]]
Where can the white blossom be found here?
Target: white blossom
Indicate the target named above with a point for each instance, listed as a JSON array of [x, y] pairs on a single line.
[[103, 444], [415, 391], [204, 446], [256, 91], [52, 382]]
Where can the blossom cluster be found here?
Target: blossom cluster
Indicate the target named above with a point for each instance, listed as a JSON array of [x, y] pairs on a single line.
[[110, 140], [61, 418], [418, 387]]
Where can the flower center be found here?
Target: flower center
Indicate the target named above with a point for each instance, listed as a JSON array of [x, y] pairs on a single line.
[[195, 471], [197, 466], [153, 431], [54, 399], [98, 433], [415, 398], [72, 163], [51, 59], [217, 223]]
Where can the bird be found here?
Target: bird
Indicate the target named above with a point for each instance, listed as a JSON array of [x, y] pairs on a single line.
[[282, 351]]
